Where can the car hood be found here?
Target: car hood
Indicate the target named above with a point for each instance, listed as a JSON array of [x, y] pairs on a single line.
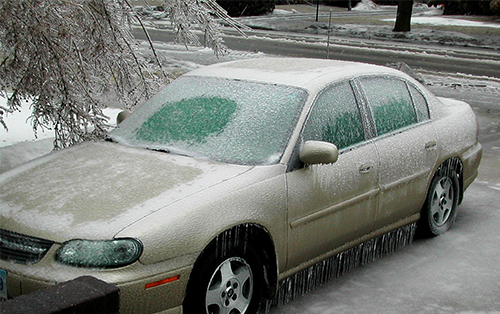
[[94, 190]]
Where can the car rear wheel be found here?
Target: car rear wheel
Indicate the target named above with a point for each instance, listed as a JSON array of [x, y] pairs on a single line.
[[230, 283], [439, 211]]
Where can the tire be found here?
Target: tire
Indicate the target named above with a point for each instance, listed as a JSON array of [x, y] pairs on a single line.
[[440, 208], [227, 284]]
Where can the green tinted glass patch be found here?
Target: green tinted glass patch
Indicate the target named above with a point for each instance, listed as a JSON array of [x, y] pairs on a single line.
[[344, 130], [394, 115], [335, 118], [189, 120]]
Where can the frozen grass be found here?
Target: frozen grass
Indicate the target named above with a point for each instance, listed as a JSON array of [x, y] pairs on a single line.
[[374, 23], [302, 8], [489, 28]]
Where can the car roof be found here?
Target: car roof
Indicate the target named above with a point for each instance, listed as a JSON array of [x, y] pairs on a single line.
[[310, 74]]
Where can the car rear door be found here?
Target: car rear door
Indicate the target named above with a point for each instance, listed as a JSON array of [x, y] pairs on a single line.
[[332, 204], [406, 143]]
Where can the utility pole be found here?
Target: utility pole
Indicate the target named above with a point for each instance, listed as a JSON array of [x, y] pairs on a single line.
[[317, 10], [329, 31]]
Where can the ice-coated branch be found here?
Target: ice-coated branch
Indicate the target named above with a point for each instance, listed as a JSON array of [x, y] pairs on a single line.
[[68, 57], [207, 15]]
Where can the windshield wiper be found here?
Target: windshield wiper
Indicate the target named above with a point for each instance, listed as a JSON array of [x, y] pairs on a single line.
[[161, 150], [170, 151], [109, 139]]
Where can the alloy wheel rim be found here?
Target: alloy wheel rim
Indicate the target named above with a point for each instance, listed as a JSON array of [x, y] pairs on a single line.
[[230, 288], [442, 201]]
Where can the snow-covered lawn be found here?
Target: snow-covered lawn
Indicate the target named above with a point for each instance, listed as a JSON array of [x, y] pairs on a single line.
[[448, 21], [19, 144], [20, 129]]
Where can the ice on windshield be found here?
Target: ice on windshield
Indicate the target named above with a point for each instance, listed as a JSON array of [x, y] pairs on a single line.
[[224, 120]]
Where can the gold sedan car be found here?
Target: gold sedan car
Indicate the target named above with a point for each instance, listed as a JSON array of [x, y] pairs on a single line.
[[242, 182]]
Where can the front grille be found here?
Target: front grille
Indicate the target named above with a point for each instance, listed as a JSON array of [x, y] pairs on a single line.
[[20, 248]]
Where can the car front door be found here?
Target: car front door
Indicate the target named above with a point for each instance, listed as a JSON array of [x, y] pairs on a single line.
[[332, 204], [406, 143]]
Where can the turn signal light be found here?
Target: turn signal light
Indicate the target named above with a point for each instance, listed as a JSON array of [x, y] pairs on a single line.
[[162, 282]]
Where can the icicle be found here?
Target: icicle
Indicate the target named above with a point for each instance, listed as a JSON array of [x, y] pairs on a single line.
[[338, 265]]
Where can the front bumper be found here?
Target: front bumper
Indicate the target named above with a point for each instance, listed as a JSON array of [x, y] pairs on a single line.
[[134, 281]]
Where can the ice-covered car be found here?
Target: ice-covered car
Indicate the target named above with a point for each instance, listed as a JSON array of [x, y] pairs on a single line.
[[239, 176]]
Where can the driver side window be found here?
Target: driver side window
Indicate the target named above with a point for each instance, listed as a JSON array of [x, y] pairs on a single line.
[[335, 118]]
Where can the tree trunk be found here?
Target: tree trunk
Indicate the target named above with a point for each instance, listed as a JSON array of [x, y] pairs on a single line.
[[403, 17]]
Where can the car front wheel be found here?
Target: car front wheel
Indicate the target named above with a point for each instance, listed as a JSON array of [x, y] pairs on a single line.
[[230, 283]]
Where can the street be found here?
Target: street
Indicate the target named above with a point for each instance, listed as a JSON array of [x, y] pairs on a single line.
[[295, 46]]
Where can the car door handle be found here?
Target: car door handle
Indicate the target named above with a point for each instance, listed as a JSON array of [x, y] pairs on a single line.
[[365, 168], [432, 145]]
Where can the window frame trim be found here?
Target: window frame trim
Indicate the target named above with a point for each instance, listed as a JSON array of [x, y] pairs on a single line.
[[427, 110]]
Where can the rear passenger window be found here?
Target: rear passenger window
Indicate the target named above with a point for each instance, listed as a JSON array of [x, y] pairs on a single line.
[[420, 104], [335, 118], [389, 102]]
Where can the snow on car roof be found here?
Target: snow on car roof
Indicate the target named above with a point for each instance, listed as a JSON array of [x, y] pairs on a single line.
[[306, 73]]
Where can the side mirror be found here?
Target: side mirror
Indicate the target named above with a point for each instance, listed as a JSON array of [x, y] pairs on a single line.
[[122, 116], [317, 152]]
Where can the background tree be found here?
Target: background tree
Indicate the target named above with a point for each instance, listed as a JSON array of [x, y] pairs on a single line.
[[69, 57], [403, 16], [466, 7], [495, 7], [247, 7]]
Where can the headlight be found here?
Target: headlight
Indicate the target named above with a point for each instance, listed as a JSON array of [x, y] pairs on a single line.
[[99, 254]]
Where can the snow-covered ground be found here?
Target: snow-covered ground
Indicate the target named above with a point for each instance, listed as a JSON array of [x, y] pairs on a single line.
[[20, 129], [429, 26], [457, 272], [449, 21], [19, 144]]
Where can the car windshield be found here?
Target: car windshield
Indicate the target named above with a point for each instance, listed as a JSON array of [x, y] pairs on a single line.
[[224, 120]]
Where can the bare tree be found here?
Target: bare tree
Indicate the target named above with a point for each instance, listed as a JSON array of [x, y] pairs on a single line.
[[67, 56], [185, 14]]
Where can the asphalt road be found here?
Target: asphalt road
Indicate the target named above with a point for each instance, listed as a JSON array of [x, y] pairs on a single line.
[[446, 59], [429, 62]]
